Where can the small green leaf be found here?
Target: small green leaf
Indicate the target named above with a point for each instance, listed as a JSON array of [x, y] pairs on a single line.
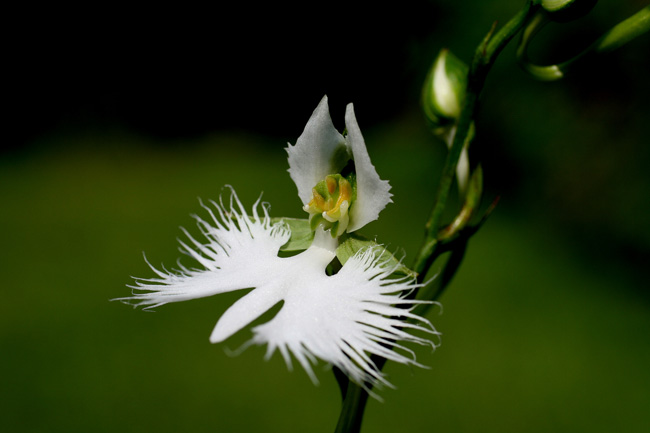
[[301, 233], [353, 242]]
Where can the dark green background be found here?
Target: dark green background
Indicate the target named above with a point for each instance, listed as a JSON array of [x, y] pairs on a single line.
[[120, 121]]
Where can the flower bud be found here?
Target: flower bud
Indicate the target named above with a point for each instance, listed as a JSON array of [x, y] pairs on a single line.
[[567, 10], [444, 89]]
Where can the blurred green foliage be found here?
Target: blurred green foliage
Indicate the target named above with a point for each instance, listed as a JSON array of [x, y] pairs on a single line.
[[544, 329]]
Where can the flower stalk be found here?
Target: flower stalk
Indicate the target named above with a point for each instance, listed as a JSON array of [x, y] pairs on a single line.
[[619, 35], [484, 56], [454, 238], [356, 397]]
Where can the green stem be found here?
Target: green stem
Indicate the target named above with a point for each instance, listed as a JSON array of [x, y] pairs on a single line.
[[483, 59], [352, 411], [356, 396], [619, 35], [435, 290]]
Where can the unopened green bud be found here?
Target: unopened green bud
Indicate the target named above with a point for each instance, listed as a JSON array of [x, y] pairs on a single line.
[[444, 89], [567, 10]]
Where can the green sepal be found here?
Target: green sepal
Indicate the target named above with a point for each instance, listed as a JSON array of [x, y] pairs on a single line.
[[301, 233], [351, 243]]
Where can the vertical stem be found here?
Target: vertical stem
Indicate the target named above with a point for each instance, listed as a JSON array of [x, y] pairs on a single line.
[[354, 404], [483, 59], [352, 410], [356, 397]]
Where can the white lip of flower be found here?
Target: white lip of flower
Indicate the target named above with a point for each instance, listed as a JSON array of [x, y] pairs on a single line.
[[342, 319]]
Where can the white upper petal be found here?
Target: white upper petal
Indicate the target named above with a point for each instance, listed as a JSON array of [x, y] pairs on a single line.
[[372, 193], [310, 159]]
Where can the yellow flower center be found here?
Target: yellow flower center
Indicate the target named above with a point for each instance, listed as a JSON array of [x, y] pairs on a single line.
[[329, 205]]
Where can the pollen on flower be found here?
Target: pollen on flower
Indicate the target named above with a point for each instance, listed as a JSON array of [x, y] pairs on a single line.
[[332, 197]]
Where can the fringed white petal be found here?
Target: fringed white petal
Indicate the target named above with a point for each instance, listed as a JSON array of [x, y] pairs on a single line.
[[311, 158], [239, 252], [345, 318], [372, 193], [342, 319]]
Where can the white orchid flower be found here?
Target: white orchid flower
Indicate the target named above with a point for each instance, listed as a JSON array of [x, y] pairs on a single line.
[[344, 318], [322, 151]]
